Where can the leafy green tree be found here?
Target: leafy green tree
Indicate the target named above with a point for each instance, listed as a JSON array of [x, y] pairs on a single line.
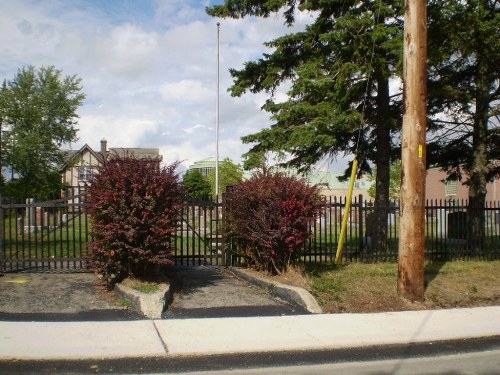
[[38, 114], [464, 97], [330, 68], [394, 183], [196, 185], [229, 174]]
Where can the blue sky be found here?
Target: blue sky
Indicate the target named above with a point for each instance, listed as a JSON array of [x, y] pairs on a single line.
[[148, 69]]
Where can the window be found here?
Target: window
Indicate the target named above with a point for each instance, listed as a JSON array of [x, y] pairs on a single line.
[[205, 171], [84, 173], [450, 188]]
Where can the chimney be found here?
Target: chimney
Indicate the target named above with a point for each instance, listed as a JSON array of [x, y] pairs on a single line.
[[104, 148]]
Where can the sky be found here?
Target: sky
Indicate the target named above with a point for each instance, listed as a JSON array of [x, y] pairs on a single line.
[[148, 69]]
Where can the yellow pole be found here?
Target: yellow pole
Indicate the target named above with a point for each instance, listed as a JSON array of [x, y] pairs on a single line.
[[338, 257]]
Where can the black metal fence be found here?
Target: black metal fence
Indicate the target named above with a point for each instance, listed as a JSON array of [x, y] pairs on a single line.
[[44, 236], [200, 235], [52, 235], [447, 232]]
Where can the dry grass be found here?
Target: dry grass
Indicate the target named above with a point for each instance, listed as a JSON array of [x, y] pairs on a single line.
[[357, 287]]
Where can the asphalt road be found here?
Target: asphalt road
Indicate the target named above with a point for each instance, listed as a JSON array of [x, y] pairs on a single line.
[[477, 363], [475, 356]]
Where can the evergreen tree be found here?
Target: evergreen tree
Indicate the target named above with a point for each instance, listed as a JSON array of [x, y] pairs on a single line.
[[330, 68], [464, 95]]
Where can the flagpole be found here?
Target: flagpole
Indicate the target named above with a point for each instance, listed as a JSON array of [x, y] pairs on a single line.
[[217, 121]]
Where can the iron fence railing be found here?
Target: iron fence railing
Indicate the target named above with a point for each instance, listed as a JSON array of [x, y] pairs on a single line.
[[199, 238], [448, 233], [52, 235], [45, 236]]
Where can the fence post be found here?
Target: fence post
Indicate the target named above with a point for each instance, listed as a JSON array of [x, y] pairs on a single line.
[[226, 252], [361, 221], [2, 247]]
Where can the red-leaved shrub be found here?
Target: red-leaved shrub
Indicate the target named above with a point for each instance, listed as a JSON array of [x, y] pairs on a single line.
[[269, 217], [134, 205]]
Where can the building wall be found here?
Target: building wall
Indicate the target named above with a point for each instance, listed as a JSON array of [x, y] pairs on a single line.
[[73, 175], [435, 188], [342, 193]]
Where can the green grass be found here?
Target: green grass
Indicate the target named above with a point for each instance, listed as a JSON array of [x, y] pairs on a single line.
[[146, 288], [126, 304], [67, 241]]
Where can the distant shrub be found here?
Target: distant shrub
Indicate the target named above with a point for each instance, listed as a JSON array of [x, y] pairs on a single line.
[[135, 206], [196, 186], [268, 218]]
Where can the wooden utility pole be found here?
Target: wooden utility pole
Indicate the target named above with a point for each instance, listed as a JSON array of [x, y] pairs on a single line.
[[413, 154]]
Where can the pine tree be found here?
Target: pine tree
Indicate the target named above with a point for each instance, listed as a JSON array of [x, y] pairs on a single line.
[[464, 87], [350, 48]]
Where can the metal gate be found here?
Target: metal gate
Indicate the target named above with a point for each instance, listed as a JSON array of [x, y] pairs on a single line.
[[52, 236], [49, 236], [200, 237]]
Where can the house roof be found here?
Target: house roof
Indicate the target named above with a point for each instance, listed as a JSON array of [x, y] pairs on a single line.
[[70, 156], [140, 153]]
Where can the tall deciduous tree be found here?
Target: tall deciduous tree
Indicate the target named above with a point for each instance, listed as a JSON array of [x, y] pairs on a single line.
[[464, 86], [38, 112], [229, 174], [330, 67]]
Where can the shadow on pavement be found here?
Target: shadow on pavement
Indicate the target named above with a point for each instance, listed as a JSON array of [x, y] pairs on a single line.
[[213, 292]]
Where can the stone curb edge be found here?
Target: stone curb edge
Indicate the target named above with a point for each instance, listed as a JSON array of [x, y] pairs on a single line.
[[292, 294], [151, 305]]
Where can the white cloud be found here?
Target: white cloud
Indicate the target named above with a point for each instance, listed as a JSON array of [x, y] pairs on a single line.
[[148, 69], [186, 90]]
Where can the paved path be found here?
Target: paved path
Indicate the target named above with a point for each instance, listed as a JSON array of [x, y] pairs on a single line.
[[212, 292], [200, 292]]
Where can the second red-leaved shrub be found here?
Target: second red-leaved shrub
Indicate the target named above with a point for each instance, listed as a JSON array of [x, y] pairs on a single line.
[[135, 206], [269, 217]]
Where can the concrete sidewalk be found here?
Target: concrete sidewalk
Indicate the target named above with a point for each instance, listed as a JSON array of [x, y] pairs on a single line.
[[164, 338]]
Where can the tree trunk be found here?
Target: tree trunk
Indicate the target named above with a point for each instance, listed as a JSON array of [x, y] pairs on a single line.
[[479, 163], [383, 162]]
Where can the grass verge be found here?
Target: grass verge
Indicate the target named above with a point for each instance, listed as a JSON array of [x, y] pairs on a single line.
[[360, 287]]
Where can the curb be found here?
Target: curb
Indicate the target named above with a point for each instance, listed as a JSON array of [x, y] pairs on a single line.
[[292, 294], [151, 305]]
